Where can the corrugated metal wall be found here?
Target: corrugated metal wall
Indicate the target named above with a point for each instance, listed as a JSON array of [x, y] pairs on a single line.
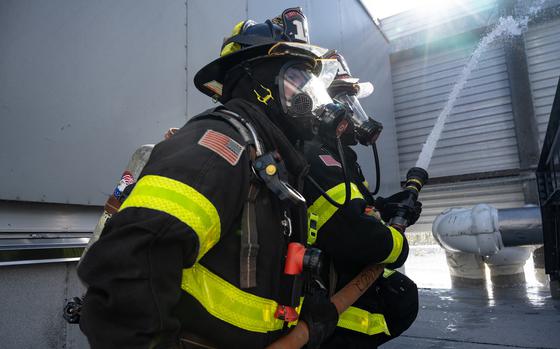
[[479, 134], [542, 43], [500, 192]]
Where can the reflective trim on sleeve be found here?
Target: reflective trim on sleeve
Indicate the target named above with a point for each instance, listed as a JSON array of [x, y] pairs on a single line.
[[324, 210], [359, 320], [229, 303], [397, 246], [388, 272], [180, 201]]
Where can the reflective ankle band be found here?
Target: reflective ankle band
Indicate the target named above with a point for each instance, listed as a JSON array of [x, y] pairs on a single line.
[[359, 320]]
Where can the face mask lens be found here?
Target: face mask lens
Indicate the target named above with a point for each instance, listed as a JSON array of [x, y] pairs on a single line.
[[367, 130], [303, 93], [329, 70]]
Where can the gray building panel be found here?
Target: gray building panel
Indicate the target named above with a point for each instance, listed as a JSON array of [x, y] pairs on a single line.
[[542, 43], [82, 85]]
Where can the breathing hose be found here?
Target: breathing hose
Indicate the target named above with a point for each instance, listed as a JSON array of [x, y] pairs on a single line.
[[377, 169]]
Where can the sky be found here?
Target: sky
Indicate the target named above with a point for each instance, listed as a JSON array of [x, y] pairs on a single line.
[[385, 8]]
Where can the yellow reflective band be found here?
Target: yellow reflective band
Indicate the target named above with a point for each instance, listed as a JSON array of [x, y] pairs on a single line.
[[322, 208], [411, 187], [180, 201], [388, 272], [359, 320], [312, 220], [415, 181], [228, 303], [233, 46], [397, 246]]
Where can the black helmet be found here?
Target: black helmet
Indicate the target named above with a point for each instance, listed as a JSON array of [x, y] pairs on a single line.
[[250, 40]]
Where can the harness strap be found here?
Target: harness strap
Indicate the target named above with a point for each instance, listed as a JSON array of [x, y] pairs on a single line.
[[249, 239], [249, 233]]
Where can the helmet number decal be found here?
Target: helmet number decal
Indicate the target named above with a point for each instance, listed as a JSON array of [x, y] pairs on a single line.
[[300, 33], [295, 25]]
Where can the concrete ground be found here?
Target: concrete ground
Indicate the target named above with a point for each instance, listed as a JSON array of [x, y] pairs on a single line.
[[476, 318], [524, 316]]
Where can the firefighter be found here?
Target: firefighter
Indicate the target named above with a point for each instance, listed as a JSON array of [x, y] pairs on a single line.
[[355, 234], [195, 255]]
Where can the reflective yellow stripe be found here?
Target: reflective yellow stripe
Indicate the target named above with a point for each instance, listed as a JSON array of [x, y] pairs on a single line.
[[388, 272], [322, 208], [180, 201], [397, 246], [312, 220], [359, 320], [228, 303]]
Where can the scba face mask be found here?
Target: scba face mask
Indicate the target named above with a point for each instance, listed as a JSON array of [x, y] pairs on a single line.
[[304, 96], [348, 90], [367, 130]]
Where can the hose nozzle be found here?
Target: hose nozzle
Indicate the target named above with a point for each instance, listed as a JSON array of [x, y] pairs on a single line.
[[416, 177]]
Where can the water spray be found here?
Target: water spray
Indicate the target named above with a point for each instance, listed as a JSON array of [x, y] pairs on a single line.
[[506, 27]]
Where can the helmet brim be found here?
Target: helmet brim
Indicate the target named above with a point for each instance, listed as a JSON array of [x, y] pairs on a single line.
[[210, 79]]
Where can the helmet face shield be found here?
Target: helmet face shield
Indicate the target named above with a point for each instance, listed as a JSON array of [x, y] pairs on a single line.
[[303, 93]]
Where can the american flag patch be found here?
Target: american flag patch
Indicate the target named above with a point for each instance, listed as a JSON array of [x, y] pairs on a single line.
[[329, 160], [222, 145]]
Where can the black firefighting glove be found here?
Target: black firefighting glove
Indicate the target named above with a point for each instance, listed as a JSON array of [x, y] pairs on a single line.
[[320, 315], [388, 207]]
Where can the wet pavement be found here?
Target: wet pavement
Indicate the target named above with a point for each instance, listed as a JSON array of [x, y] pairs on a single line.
[[523, 316]]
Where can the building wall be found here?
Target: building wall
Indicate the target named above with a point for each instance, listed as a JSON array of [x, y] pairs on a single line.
[[82, 85]]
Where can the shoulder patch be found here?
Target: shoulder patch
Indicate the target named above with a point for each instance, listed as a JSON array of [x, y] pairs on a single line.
[[222, 145], [329, 161]]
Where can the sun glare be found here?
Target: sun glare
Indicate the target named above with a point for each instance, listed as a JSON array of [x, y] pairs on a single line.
[[383, 8]]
